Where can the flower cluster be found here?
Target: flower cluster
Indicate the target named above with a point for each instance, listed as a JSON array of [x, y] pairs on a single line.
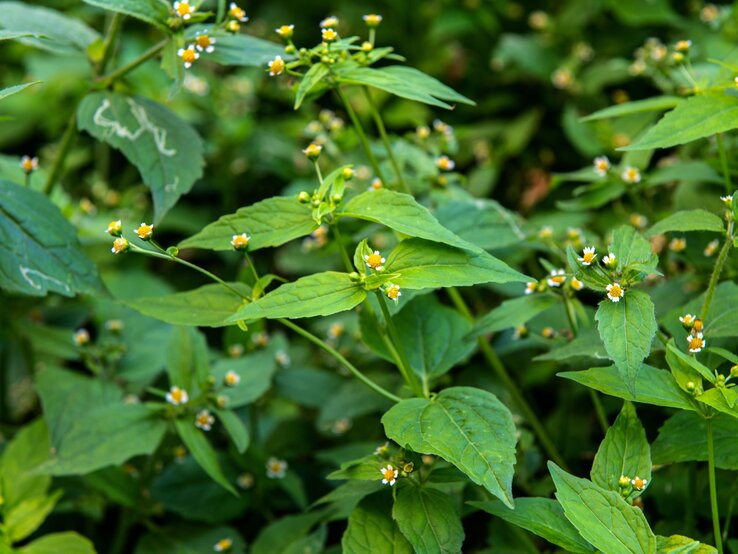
[[695, 338]]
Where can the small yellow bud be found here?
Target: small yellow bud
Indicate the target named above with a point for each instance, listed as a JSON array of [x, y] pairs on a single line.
[[313, 151], [367, 46], [145, 231], [233, 26], [624, 481], [372, 20], [223, 545], [303, 197], [276, 66], [120, 245], [285, 31], [348, 173], [81, 337], [240, 242], [115, 228], [329, 35]]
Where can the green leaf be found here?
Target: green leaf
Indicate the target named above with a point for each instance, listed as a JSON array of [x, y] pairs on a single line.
[[371, 529], [154, 12], [627, 329], [602, 517], [239, 49], [484, 223], [189, 538], [277, 537], [624, 451], [255, 371], [514, 312], [236, 429], [49, 29], [467, 427], [39, 251], [271, 222], [28, 515], [422, 265], [543, 517], [310, 80], [683, 438], [324, 293], [587, 344], [686, 368], [428, 519], [723, 318], [4, 93], [206, 306], [351, 74], [688, 220], [12, 35], [166, 150], [654, 104], [654, 386], [695, 118], [27, 450], [631, 248], [427, 84], [636, 13], [593, 196], [54, 543], [402, 213], [678, 544], [187, 359], [197, 444]]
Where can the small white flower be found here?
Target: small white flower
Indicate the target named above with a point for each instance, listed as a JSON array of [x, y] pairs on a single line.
[[696, 342], [588, 256], [223, 545], [727, 200], [204, 42], [530, 287], [615, 292], [81, 337], [282, 358], [601, 165], [631, 175], [232, 379], [610, 260], [183, 9], [29, 164], [556, 278], [188, 55], [204, 420], [445, 163], [687, 319], [374, 261], [177, 396], [330, 21], [237, 13], [276, 468], [638, 483], [576, 284], [389, 475]]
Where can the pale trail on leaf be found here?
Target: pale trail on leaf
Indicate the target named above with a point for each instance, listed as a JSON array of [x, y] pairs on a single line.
[[138, 112], [27, 271]]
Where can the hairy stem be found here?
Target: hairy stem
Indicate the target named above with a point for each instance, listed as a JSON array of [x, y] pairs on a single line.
[[110, 38], [724, 164], [70, 134], [715, 277], [713, 489], [362, 135], [109, 79]]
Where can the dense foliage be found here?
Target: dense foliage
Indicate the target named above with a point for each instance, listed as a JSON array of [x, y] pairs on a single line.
[[456, 277]]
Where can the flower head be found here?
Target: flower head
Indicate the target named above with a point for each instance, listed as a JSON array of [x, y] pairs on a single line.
[[276, 468], [376, 184], [624, 481], [276, 66], [556, 278], [237, 13], [145, 231], [245, 481], [389, 475], [235, 350], [711, 248], [285, 31], [374, 261], [204, 420], [189, 55], [546, 232], [313, 151], [696, 342], [683, 45], [372, 20], [687, 320], [562, 78], [614, 291], [638, 220], [28, 164], [336, 330], [576, 284], [531, 287], [120, 245], [678, 244], [445, 163], [330, 21], [232, 379], [282, 358], [115, 228], [223, 545], [204, 42], [183, 9], [638, 483], [329, 35], [114, 325], [240, 242], [392, 291], [177, 396], [610, 260], [588, 256], [520, 332], [260, 339], [728, 200], [233, 26], [548, 332], [382, 449], [81, 337], [631, 175], [601, 165]]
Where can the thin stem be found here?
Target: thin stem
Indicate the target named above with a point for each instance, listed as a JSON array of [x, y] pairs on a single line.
[[724, 164], [27, 180], [251, 265], [719, 263], [385, 139], [342, 248], [221, 13], [362, 135], [499, 368], [110, 38], [337, 355], [713, 489], [70, 134], [107, 80]]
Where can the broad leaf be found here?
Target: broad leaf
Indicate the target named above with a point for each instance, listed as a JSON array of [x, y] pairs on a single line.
[[319, 294], [627, 329], [166, 150], [602, 517], [468, 427], [189, 538], [39, 251], [630, 248], [427, 84], [277, 537], [683, 438], [27, 450], [28, 515], [68, 542], [695, 118], [587, 344], [236, 429], [482, 222], [655, 104], [197, 444], [49, 29], [207, 306], [689, 220], [543, 517], [309, 81], [9, 91], [678, 544], [514, 312], [187, 359], [402, 213], [255, 373], [154, 12], [654, 386], [428, 519], [722, 320], [271, 222], [624, 451], [371, 529], [239, 49], [422, 265]]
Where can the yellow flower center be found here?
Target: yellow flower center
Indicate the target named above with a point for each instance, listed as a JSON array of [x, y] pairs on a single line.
[[374, 261], [240, 242], [184, 8], [329, 35], [388, 473], [27, 165], [602, 165], [616, 291], [145, 231], [276, 66], [176, 395], [696, 343], [223, 544], [588, 257], [276, 467], [189, 55], [120, 245], [231, 378], [393, 292], [285, 31], [639, 484], [237, 13], [203, 41], [558, 279]]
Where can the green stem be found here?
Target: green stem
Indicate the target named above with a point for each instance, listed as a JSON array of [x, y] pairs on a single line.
[[221, 13], [27, 180], [337, 355], [729, 512], [109, 79], [719, 263], [251, 265], [110, 38], [70, 134], [362, 135], [385, 139], [713, 489], [342, 248], [499, 368], [120, 537], [724, 164]]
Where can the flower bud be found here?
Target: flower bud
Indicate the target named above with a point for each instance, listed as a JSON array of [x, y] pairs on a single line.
[[313, 151], [303, 197]]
